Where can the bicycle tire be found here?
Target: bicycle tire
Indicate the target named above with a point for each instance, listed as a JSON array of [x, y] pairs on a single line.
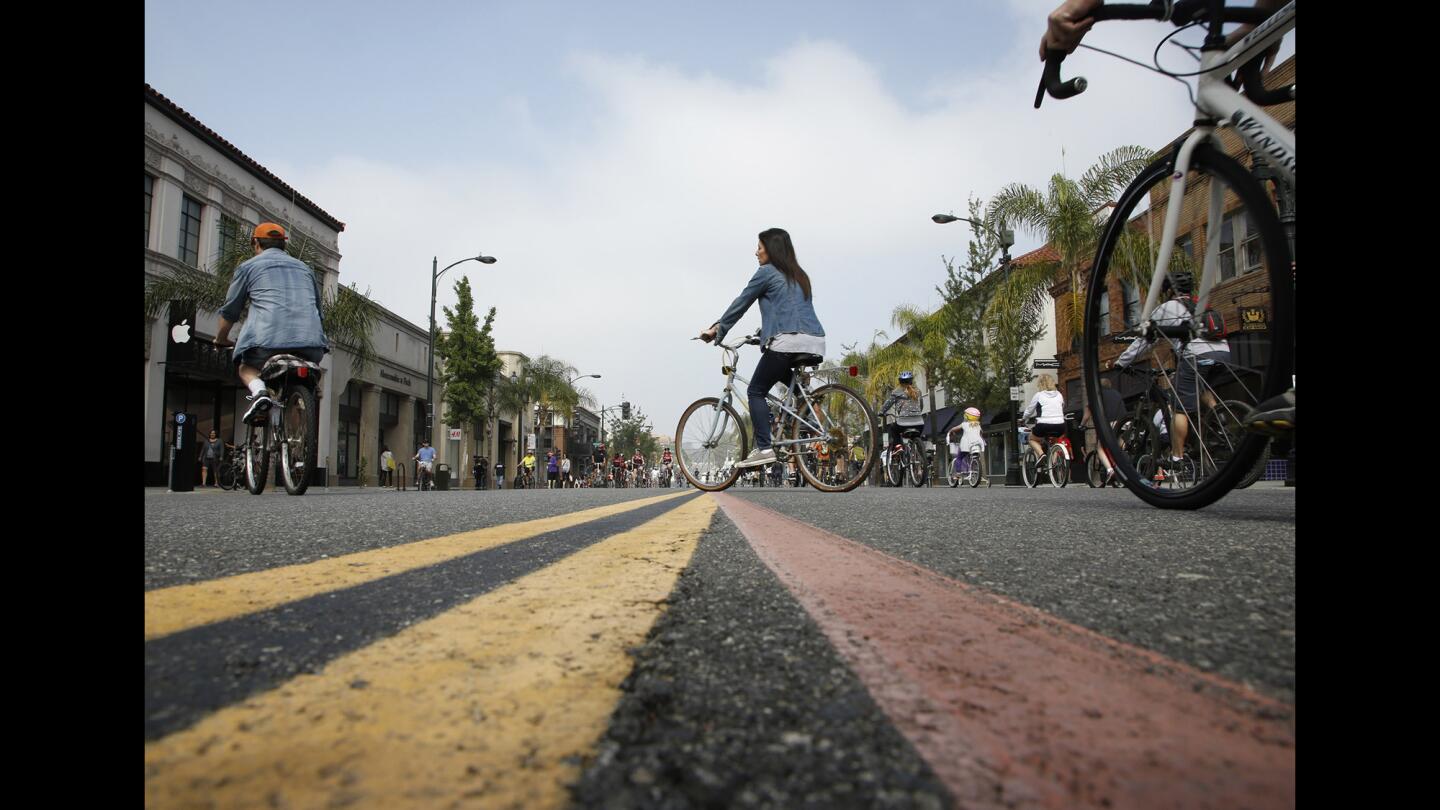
[[1029, 467], [1223, 427], [1059, 465], [257, 457], [1094, 470], [731, 443], [973, 476], [848, 422], [952, 476], [916, 470], [225, 475], [1212, 166], [298, 452]]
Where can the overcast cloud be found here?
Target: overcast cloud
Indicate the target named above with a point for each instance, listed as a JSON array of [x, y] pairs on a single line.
[[631, 227]]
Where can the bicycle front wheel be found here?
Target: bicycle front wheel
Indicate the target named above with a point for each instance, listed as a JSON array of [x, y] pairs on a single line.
[[1059, 467], [708, 441], [839, 421], [226, 474], [299, 438], [1030, 467], [1253, 291]]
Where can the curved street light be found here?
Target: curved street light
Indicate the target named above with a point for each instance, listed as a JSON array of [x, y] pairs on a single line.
[[1006, 238], [430, 374]]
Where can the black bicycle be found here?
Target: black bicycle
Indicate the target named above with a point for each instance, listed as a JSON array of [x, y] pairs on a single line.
[[291, 428], [907, 460]]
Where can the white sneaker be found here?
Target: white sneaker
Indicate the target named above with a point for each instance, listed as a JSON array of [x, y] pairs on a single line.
[[758, 458], [259, 404]]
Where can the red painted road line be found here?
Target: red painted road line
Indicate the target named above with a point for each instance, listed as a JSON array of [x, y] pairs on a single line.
[[1013, 707]]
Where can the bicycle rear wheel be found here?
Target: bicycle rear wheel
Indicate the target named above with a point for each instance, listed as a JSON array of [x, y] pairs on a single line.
[[299, 438], [839, 420], [917, 471], [1094, 469], [1221, 432], [708, 441], [972, 477], [1261, 301], [1059, 465], [257, 456]]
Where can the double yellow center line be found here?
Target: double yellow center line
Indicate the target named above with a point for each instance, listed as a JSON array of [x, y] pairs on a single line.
[[495, 703]]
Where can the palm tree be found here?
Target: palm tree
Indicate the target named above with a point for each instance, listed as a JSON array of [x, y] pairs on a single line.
[[346, 314], [546, 381], [1067, 217]]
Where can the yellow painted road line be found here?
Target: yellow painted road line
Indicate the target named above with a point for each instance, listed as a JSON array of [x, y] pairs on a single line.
[[490, 705], [170, 610]]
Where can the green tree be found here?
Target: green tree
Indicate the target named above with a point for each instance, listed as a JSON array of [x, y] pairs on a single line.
[[967, 373], [546, 382], [624, 435], [471, 364], [347, 315], [1068, 216]]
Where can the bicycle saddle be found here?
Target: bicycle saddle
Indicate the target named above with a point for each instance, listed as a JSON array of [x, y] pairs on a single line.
[[806, 360], [280, 363]]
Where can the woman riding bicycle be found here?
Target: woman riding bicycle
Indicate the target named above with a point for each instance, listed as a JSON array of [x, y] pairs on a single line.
[[1049, 406], [908, 417], [789, 329]]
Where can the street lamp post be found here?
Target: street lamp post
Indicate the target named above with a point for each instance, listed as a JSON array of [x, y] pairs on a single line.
[[430, 374], [1007, 238], [572, 415]]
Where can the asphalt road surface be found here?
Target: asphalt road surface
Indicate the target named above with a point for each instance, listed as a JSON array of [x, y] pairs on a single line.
[[759, 648]]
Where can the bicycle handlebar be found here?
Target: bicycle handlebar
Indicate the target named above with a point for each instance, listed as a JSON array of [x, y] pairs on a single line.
[[1183, 12]]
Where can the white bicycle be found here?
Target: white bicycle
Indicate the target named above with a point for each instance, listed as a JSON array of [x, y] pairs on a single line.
[[1243, 233]]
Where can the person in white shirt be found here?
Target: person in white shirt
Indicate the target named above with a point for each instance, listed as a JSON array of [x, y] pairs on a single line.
[[1049, 407], [970, 439]]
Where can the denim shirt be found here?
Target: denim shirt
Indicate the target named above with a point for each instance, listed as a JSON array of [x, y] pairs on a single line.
[[783, 307], [284, 296]]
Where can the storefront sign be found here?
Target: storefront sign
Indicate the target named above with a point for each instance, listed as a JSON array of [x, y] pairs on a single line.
[[181, 331], [1252, 319], [399, 378], [1046, 364], [455, 434]]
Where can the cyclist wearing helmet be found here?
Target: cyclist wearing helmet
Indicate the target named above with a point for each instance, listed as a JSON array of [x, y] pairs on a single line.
[[284, 318], [970, 439], [789, 329], [1196, 356], [907, 396]]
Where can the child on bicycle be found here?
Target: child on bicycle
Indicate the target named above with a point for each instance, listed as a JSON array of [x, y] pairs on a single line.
[[970, 440], [907, 397]]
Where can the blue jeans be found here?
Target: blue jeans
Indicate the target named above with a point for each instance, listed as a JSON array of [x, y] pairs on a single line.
[[773, 367]]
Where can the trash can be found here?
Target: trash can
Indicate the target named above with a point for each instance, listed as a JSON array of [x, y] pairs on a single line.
[[442, 477], [499, 476]]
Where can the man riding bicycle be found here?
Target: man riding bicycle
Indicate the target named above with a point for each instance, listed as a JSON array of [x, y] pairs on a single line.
[[426, 469], [284, 318], [1194, 358]]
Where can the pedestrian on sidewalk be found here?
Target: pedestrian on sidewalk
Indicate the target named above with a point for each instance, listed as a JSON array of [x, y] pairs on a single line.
[[387, 466], [210, 454], [565, 479], [552, 469]]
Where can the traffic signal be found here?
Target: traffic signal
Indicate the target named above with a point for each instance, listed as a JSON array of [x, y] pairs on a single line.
[[624, 410]]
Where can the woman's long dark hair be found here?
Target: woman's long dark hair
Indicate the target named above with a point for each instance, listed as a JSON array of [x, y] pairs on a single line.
[[782, 255]]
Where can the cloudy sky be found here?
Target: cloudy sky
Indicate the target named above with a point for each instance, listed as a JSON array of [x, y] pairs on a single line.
[[619, 158]]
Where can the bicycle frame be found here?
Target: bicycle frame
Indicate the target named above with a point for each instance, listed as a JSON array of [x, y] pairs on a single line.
[[795, 392], [1216, 104]]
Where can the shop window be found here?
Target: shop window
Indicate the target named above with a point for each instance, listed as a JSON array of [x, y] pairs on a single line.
[[190, 210], [149, 198]]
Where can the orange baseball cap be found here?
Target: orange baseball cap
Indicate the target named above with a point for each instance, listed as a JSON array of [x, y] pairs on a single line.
[[269, 230]]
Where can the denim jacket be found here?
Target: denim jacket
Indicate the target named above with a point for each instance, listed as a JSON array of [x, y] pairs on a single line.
[[783, 307], [284, 296]]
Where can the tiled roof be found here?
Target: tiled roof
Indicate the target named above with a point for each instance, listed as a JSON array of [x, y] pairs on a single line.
[[209, 135], [1044, 253]]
